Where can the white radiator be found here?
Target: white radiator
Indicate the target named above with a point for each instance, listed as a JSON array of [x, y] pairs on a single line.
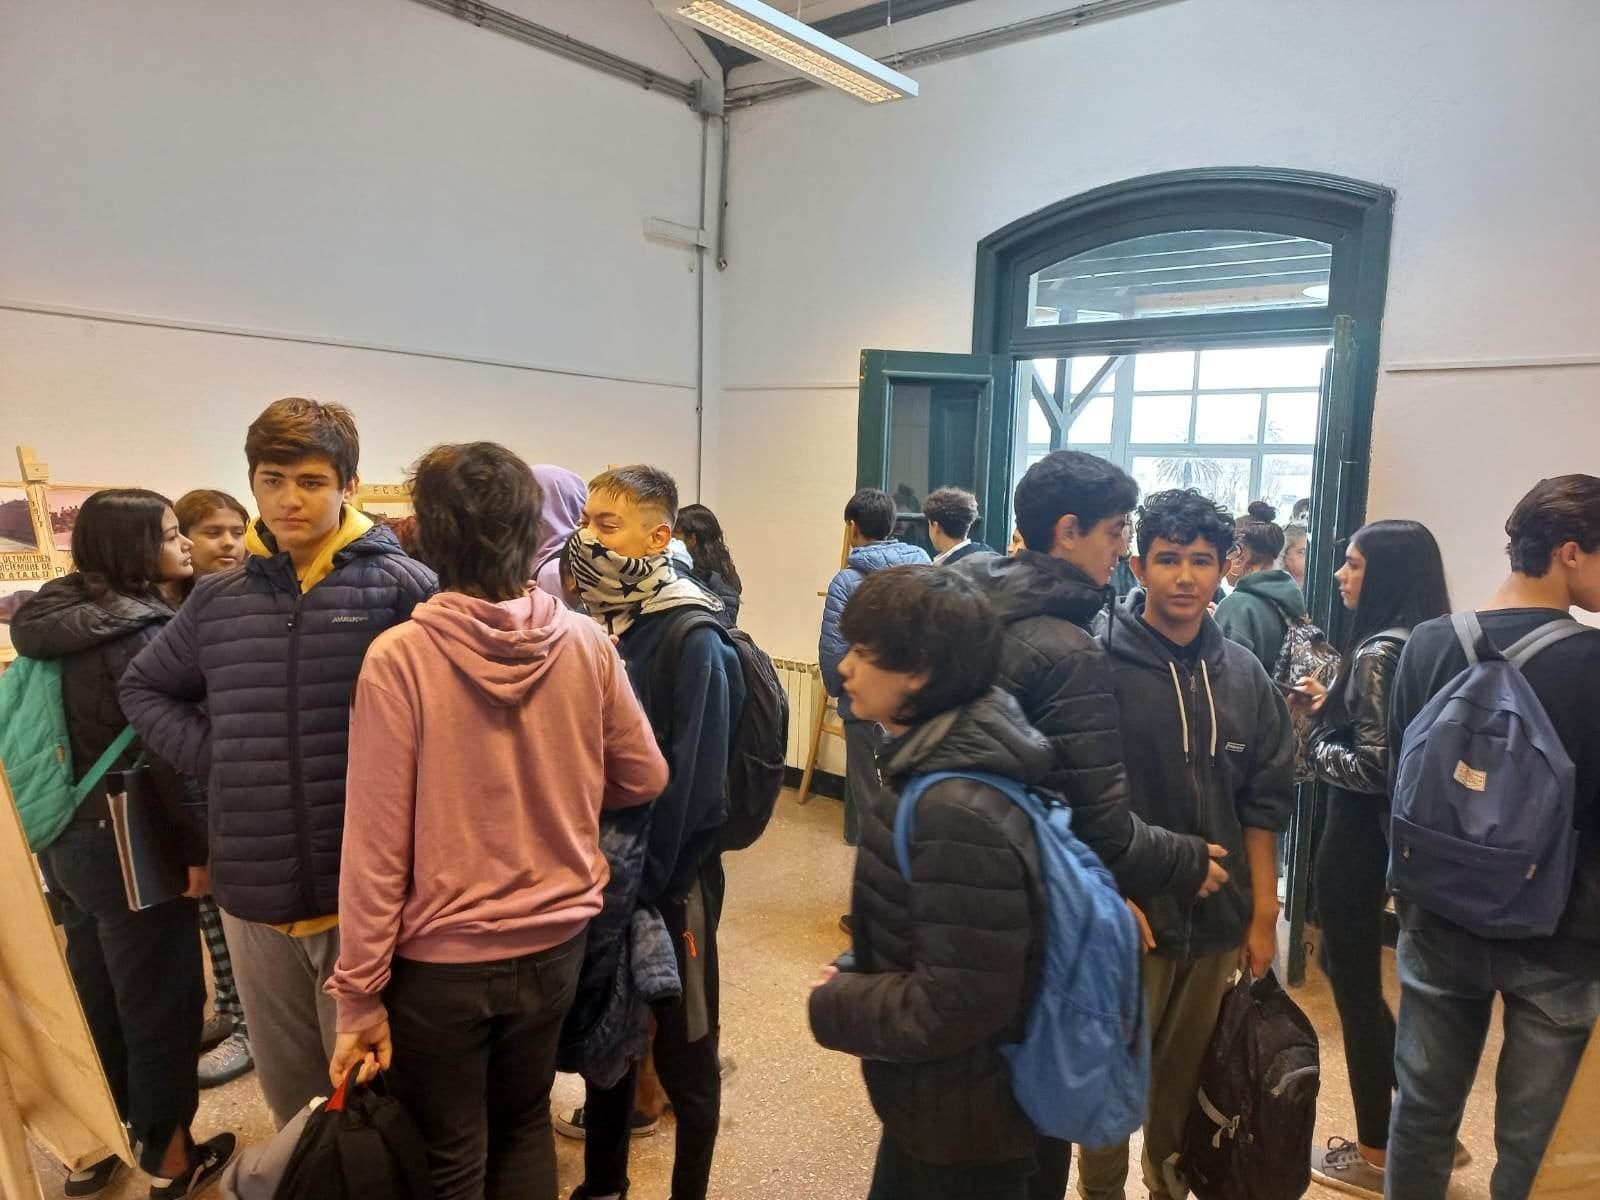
[[803, 682]]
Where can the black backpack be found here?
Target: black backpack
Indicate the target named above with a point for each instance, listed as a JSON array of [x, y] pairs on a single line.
[[360, 1145], [760, 738], [1249, 1134]]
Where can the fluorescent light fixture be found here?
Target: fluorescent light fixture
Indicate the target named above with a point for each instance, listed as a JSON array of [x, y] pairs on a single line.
[[1317, 291], [786, 42]]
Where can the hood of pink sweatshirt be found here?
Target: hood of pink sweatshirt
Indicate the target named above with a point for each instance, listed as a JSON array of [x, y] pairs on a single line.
[[501, 649]]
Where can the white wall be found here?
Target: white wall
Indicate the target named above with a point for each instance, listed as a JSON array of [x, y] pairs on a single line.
[[368, 172], [853, 227]]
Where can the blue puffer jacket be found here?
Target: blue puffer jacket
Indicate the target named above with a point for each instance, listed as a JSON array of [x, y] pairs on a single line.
[[832, 647], [249, 689]]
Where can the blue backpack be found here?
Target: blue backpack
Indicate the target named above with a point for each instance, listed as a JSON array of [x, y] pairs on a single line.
[[1482, 829], [1082, 1069]]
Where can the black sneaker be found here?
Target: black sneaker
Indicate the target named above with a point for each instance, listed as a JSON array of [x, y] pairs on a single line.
[[582, 1193], [205, 1167], [573, 1125], [93, 1180]]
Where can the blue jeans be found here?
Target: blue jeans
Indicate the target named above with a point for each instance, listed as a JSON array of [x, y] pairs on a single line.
[[1448, 982]]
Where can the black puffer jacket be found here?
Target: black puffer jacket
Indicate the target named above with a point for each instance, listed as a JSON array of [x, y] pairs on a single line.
[[1059, 675], [1349, 748], [96, 635], [943, 967]]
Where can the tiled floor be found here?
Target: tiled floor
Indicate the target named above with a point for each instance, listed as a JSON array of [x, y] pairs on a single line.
[[796, 1122]]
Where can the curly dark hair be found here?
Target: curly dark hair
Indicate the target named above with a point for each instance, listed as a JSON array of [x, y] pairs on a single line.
[[952, 509], [1182, 516]]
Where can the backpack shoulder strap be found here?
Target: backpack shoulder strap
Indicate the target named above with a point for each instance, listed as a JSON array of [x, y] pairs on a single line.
[[664, 670], [905, 818], [102, 766], [1469, 632], [1526, 649]]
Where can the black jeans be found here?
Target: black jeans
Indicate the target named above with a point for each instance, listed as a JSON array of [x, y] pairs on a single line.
[[1351, 881], [141, 981], [686, 1064], [474, 1058], [898, 1176], [1052, 1166]]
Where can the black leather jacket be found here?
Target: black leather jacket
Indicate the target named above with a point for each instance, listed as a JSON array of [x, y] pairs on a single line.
[[1350, 747]]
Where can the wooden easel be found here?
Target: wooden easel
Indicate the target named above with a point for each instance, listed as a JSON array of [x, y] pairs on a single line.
[[1571, 1167], [819, 718], [51, 1082], [41, 562]]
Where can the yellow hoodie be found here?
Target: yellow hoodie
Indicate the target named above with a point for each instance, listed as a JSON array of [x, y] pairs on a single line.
[[352, 525]]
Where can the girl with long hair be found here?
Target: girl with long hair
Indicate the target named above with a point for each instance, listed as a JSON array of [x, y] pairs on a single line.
[[699, 530], [138, 973], [1392, 580]]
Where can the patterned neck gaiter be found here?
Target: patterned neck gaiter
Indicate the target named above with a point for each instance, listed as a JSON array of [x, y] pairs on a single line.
[[617, 588]]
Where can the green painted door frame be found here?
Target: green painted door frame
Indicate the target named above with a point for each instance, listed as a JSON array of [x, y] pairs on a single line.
[[882, 370]]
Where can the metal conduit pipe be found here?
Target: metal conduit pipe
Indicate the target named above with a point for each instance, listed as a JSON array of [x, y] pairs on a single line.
[[970, 43], [498, 20]]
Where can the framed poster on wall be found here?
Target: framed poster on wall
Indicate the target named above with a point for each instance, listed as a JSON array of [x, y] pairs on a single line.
[[391, 500], [37, 517]]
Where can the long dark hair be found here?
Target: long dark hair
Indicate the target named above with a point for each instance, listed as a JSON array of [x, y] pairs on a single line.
[[116, 541], [1403, 586], [702, 533]]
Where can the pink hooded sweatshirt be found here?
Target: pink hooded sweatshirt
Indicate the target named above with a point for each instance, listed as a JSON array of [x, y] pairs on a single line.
[[485, 739]]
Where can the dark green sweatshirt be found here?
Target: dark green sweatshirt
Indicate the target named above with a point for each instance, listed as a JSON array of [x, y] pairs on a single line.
[[1254, 615]]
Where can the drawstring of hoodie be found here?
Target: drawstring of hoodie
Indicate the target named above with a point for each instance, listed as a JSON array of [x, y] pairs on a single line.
[[1205, 671], [1183, 710]]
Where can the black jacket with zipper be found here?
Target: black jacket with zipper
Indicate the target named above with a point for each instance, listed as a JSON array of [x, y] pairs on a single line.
[[943, 966], [96, 634], [1210, 752], [1058, 673]]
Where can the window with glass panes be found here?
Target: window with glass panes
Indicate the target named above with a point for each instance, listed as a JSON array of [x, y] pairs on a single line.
[[1238, 423]]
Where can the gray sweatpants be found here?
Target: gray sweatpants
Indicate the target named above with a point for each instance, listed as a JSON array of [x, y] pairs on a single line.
[[292, 1020]]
